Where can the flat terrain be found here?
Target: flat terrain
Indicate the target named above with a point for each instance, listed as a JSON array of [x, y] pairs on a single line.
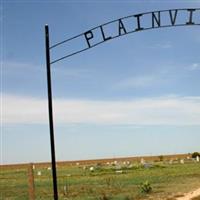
[[104, 180]]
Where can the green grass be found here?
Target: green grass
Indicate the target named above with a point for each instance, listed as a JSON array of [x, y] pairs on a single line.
[[166, 181]]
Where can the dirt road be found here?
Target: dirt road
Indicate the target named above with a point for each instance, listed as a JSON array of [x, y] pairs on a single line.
[[190, 195]]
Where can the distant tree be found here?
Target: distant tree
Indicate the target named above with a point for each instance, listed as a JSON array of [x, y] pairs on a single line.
[[195, 154], [161, 157]]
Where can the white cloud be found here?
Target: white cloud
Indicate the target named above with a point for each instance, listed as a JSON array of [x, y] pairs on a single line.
[[194, 66], [139, 81], [12, 67], [71, 73], [170, 110], [162, 45]]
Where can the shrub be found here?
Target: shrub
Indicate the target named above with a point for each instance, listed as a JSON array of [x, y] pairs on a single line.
[[146, 187]]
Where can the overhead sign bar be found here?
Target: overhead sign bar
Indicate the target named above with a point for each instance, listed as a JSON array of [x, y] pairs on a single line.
[[130, 24]]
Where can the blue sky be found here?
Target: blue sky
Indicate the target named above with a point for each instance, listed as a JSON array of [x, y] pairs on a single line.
[[135, 95]]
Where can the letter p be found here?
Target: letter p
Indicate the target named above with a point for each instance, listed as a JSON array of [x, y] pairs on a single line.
[[88, 37]]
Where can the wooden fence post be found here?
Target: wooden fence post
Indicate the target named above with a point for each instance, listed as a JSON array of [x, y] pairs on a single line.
[[31, 186]]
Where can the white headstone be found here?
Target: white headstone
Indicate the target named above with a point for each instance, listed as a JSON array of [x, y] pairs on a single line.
[[197, 158], [182, 161], [91, 169], [142, 161], [130, 166], [39, 173], [118, 171]]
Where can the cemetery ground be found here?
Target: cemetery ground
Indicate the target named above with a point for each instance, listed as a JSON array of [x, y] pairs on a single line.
[[126, 179]]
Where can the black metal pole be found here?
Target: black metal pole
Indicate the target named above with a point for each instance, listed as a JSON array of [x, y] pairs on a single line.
[[53, 157]]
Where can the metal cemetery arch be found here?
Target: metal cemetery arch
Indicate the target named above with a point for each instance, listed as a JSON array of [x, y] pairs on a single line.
[[98, 35]]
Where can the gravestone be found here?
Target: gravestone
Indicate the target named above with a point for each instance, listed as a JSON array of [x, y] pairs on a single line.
[[142, 161], [197, 158], [182, 161], [91, 169], [39, 173]]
